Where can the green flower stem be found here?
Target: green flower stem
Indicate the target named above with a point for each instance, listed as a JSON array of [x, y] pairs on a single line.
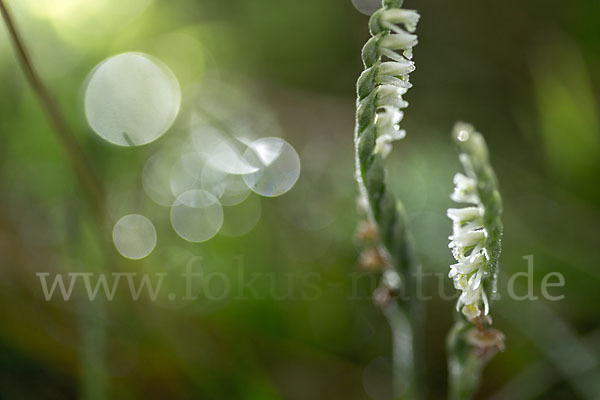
[[402, 352], [464, 365]]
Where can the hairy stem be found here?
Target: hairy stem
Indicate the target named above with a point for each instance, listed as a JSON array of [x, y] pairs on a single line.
[[402, 354]]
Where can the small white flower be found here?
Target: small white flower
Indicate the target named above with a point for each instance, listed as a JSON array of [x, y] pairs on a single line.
[[486, 304], [399, 41], [397, 68], [467, 243], [401, 81], [387, 119], [463, 268], [465, 214], [469, 296], [465, 226], [474, 281], [467, 238], [402, 40], [391, 95], [471, 311], [465, 190], [384, 91], [391, 17], [383, 144], [468, 254]]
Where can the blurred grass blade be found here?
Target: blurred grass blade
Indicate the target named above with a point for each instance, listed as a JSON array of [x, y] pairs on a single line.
[[567, 113]]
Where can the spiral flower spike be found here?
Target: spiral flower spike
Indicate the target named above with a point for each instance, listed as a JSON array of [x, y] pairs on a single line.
[[387, 58], [476, 228], [476, 245]]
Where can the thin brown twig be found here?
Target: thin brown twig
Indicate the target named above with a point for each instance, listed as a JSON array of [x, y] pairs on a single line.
[[87, 177]]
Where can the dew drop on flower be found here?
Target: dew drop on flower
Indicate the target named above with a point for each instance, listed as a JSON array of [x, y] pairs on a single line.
[[131, 99], [277, 166], [463, 135], [134, 236], [196, 215]]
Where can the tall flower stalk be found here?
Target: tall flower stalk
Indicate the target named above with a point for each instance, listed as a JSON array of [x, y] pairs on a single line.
[[387, 60], [475, 244]]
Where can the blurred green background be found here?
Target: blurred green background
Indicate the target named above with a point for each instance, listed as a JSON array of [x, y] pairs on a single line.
[[525, 73]]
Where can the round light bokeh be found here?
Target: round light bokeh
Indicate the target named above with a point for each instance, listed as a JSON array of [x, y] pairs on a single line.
[[196, 215], [84, 23], [225, 157], [277, 166], [156, 178], [203, 136], [230, 189], [182, 178], [134, 236], [193, 163], [221, 152], [131, 99], [367, 7], [242, 218]]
